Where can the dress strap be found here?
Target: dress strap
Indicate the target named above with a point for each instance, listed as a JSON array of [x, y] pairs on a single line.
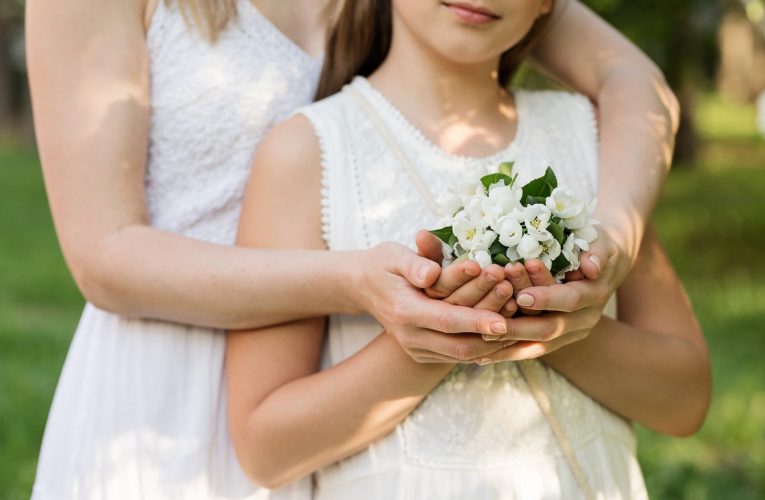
[[386, 136], [527, 371]]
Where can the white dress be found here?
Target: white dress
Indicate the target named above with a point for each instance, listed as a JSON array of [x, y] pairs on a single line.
[[139, 412], [480, 434]]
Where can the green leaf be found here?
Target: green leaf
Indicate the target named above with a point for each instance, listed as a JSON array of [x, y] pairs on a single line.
[[534, 200], [453, 240], [500, 259], [541, 187], [488, 180], [497, 247], [559, 264], [444, 234], [557, 232], [506, 168]]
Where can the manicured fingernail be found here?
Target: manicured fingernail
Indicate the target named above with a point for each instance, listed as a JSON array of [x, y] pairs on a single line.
[[471, 271], [499, 328], [484, 361], [596, 261], [525, 300], [491, 337]]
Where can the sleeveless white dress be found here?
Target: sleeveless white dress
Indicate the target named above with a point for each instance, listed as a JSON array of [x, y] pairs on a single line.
[[480, 434], [139, 412]]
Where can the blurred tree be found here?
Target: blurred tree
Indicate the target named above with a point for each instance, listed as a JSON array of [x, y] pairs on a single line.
[[679, 35], [14, 100], [741, 37]]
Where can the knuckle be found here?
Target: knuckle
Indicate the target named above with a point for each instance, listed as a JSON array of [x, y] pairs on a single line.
[[463, 351], [574, 300]]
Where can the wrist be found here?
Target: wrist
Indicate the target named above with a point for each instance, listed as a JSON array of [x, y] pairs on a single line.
[[353, 281]]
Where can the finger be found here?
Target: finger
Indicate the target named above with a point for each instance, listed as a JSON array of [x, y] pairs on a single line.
[[452, 278], [511, 307], [441, 316], [549, 326], [473, 291], [574, 276], [532, 350], [519, 278], [539, 274], [439, 347], [429, 246], [497, 297], [566, 297], [418, 271], [590, 265]]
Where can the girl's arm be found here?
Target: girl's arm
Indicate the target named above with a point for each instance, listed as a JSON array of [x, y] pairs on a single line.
[[651, 366], [638, 118], [89, 75], [285, 419]]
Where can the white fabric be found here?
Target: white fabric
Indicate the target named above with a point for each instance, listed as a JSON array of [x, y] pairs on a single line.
[[479, 434], [139, 412]]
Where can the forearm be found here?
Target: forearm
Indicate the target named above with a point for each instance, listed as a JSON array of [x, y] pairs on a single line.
[[637, 115], [325, 417], [658, 380], [143, 272]]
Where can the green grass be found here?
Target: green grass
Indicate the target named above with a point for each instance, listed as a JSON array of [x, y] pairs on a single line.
[[711, 219]]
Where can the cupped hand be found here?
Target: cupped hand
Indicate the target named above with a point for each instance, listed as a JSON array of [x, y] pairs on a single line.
[[540, 334], [428, 329]]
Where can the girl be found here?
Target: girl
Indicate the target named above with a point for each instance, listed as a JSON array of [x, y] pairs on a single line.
[[147, 113], [360, 167]]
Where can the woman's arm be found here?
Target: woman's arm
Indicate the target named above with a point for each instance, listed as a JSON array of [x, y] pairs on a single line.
[[651, 366], [638, 117], [89, 70], [285, 419]]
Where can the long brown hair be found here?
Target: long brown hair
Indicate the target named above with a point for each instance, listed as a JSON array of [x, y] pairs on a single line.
[[361, 37]]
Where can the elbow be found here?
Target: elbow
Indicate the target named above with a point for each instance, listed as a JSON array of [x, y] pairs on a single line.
[[262, 461], [96, 283], [686, 414]]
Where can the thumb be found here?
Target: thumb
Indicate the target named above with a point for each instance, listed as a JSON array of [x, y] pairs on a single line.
[[591, 262], [419, 271], [429, 246]]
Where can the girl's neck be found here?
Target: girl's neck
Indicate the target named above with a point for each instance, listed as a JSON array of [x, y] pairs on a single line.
[[461, 108]]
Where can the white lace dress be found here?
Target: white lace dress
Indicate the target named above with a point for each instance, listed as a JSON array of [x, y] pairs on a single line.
[[139, 412], [480, 434]]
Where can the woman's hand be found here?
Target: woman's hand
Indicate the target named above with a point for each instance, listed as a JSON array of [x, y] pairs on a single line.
[[429, 329]]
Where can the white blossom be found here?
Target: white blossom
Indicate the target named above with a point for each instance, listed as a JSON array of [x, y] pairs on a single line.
[[483, 257], [509, 229], [583, 236], [562, 203], [536, 219], [472, 236], [529, 247]]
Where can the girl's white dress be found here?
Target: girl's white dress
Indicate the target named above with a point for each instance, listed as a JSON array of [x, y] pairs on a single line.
[[139, 412], [480, 434]]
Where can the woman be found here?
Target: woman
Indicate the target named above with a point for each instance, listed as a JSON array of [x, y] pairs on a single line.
[[374, 157], [145, 130]]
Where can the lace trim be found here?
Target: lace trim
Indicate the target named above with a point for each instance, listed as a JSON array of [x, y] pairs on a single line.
[[326, 207], [392, 113]]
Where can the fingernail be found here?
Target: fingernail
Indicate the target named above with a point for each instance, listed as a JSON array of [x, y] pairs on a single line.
[[484, 361], [470, 271], [499, 328], [596, 261], [525, 300], [491, 337]]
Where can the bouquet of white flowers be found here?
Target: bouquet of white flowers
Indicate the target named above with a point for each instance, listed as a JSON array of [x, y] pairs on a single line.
[[497, 221]]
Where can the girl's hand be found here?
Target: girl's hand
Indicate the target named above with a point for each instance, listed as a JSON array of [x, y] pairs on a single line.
[[554, 329], [605, 266]]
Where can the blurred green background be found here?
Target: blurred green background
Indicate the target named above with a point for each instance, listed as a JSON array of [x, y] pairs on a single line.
[[710, 217]]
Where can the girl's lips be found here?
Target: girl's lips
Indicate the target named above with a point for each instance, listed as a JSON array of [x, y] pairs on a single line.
[[471, 14]]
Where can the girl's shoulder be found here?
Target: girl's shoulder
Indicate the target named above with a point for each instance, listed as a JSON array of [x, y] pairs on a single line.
[[554, 105]]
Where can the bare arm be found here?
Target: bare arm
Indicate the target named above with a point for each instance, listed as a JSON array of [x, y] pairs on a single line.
[[276, 400], [638, 117], [652, 365], [89, 72]]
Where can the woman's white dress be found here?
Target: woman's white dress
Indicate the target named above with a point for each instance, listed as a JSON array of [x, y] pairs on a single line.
[[139, 412], [480, 434]]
